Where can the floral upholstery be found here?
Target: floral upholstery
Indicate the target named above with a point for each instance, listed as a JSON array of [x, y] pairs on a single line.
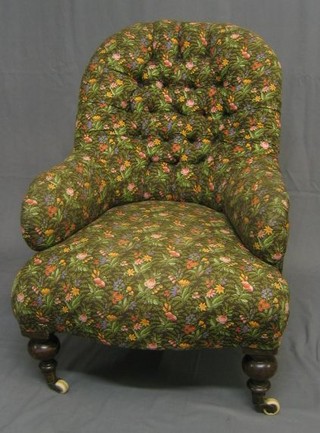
[[166, 227]]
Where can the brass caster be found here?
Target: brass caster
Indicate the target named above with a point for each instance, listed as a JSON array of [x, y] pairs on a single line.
[[271, 406], [60, 386]]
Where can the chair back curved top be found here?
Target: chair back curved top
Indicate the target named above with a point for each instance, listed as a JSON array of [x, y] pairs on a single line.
[[172, 107]]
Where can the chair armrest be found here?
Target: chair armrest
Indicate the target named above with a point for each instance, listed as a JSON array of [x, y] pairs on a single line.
[[256, 203], [62, 200]]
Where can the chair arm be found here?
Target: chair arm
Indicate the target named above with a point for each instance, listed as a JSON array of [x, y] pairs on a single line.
[[63, 200], [256, 203]]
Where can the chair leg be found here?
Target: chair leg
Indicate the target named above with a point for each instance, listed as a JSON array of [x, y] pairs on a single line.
[[45, 350], [260, 366]]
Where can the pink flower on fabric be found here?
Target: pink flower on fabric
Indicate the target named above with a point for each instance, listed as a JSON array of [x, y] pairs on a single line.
[[222, 319], [277, 256], [174, 253], [210, 293], [185, 171], [167, 63], [189, 65], [167, 98], [264, 144], [70, 191], [159, 84], [150, 283], [247, 286], [31, 201], [146, 195], [83, 318], [152, 346], [225, 259], [171, 316], [131, 186], [37, 261], [190, 103], [20, 297], [116, 56], [245, 54], [81, 256], [99, 282]]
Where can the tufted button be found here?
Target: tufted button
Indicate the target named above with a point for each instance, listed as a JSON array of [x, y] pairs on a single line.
[[192, 138]]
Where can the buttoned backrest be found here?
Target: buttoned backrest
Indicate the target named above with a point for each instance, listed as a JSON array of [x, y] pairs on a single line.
[[170, 107]]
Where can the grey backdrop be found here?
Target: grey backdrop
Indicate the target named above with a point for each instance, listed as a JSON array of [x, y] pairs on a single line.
[[44, 47]]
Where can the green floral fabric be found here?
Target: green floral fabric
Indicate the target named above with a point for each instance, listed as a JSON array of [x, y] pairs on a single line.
[[155, 275], [168, 112]]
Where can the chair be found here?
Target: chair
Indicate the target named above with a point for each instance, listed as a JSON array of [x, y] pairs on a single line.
[[166, 227]]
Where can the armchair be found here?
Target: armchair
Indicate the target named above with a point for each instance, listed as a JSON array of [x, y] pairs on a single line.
[[166, 227]]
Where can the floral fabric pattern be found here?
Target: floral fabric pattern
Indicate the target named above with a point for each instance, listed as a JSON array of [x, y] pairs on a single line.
[[172, 116], [155, 275]]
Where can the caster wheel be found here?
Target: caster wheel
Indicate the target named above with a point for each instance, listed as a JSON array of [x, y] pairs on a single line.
[[271, 406], [61, 386]]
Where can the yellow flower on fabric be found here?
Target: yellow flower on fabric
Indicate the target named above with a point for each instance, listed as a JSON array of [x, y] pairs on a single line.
[[272, 87], [132, 337], [203, 306], [130, 272], [45, 291], [113, 254], [49, 232], [65, 309], [257, 246], [257, 98], [111, 317], [147, 258], [268, 230], [75, 291], [202, 324], [184, 283], [184, 158], [145, 322], [225, 62], [254, 324], [219, 289]]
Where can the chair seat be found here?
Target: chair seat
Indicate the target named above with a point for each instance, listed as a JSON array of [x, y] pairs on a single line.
[[155, 275]]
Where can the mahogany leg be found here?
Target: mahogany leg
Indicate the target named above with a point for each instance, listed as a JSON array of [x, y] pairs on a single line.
[[260, 366], [45, 350]]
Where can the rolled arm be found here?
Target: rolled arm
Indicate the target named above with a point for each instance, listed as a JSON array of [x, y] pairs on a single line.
[[62, 200], [256, 203]]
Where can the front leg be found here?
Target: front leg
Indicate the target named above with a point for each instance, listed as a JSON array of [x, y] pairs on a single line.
[[260, 366], [45, 350]]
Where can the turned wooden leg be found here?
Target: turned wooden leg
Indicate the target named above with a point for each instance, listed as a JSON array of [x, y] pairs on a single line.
[[45, 350], [260, 366]]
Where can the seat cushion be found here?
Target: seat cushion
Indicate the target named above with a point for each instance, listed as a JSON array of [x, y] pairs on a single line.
[[154, 275]]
